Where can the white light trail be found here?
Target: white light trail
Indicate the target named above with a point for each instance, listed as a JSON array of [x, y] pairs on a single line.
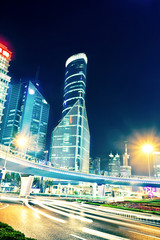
[[44, 214], [73, 235], [63, 213]]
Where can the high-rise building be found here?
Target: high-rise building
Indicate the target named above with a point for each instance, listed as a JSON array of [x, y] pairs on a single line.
[[156, 162], [114, 165], [70, 141], [26, 113], [125, 169], [5, 57], [75, 81]]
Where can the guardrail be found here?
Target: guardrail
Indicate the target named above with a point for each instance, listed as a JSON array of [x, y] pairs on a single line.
[[8, 151]]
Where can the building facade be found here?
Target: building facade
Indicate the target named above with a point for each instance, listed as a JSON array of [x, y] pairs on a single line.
[[26, 114], [114, 165], [70, 142], [156, 164], [5, 57]]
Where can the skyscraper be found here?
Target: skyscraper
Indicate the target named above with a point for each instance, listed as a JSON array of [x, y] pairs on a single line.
[[114, 165], [70, 141], [5, 57], [75, 81], [26, 113], [125, 169]]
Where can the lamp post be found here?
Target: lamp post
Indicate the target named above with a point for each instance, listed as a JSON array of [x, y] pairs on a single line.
[[147, 148]]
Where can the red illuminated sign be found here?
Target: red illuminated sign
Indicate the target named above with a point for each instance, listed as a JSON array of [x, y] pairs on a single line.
[[70, 119], [4, 52]]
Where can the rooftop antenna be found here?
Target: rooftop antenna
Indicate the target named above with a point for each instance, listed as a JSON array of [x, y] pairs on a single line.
[[37, 76]]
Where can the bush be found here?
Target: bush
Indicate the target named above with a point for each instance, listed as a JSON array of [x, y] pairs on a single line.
[[8, 233]]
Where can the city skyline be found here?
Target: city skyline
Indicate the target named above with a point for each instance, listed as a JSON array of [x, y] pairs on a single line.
[[122, 78]]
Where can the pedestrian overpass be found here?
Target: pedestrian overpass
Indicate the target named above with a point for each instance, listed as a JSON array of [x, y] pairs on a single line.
[[29, 167]]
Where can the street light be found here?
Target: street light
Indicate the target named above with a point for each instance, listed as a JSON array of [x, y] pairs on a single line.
[[19, 141], [147, 148]]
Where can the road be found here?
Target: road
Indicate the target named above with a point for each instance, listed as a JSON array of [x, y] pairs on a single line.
[[46, 219]]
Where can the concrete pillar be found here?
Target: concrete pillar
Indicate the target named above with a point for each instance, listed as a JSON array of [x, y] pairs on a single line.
[[26, 184], [101, 190], [59, 190], [94, 190]]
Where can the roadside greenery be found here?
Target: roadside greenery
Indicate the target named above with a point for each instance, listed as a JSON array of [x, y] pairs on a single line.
[[146, 206], [8, 233]]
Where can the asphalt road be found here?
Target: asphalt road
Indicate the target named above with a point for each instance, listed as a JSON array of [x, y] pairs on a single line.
[[45, 219]]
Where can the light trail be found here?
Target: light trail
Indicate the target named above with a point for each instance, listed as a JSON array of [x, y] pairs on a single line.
[[102, 234], [77, 237], [64, 209], [4, 206], [126, 214], [62, 213], [44, 214], [116, 222]]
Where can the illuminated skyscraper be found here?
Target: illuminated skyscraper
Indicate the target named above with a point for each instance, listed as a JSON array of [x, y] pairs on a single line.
[[114, 165], [125, 169], [5, 57], [75, 81], [26, 113], [70, 141]]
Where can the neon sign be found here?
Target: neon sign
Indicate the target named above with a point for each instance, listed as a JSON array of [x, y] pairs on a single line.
[[4, 52], [150, 191]]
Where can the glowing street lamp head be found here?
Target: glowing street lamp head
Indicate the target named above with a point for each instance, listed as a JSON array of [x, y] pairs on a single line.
[[21, 141], [147, 148]]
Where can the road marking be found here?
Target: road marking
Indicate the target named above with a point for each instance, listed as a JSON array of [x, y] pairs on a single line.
[[78, 237], [4, 206], [144, 234], [102, 234], [44, 214]]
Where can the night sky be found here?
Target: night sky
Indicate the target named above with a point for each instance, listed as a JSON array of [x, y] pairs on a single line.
[[121, 39]]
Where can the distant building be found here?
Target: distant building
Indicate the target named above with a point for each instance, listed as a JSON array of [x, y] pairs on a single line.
[[26, 113], [5, 57], [114, 165], [90, 165], [125, 169], [156, 164], [96, 165], [70, 142]]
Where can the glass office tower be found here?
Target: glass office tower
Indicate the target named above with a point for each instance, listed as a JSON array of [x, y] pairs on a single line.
[[114, 165], [5, 57], [70, 141], [26, 113], [75, 81]]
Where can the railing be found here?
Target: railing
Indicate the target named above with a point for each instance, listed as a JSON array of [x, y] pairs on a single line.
[[147, 218], [5, 150]]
